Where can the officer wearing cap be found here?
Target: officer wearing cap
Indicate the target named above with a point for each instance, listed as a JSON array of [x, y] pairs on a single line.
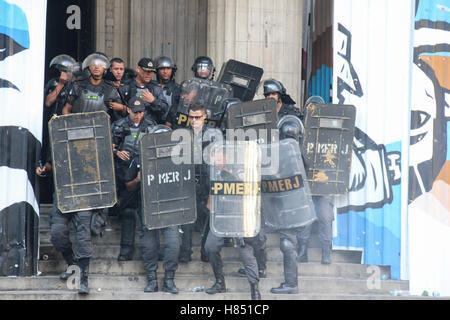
[[149, 239], [153, 96], [126, 134], [165, 76], [93, 94]]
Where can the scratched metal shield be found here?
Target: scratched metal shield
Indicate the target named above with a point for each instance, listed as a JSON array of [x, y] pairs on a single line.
[[167, 183], [327, 147], [83, 166], [242, 77], [235, 197], [257, 119], [286, 199]]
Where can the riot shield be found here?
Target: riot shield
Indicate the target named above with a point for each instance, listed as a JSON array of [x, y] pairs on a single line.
[[257, 119], [83, 166], [327, 147], [242, 77], [167, 189], [285, 195], [235, 198], [211, 94]]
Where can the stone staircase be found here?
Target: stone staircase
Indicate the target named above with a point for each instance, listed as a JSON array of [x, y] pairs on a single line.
[[344, 279]]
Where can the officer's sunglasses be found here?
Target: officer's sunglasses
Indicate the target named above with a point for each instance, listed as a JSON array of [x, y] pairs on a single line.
[[196, 117]]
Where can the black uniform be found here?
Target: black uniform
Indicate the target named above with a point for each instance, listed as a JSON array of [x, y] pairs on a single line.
[[57, 106], [213, 246], [289, 109], [288, 237], [126, 136], [149, 241], [86, 97], [202, 192], [171, 93], [155, 111]]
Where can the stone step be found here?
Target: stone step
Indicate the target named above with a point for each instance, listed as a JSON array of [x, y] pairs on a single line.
[[47, 252], [197, 268], [184, 283], [190, 296]]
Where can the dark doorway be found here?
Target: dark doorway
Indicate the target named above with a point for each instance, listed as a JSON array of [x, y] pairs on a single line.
[[70, 30]]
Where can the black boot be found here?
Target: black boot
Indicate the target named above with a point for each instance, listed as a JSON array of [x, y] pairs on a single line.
[[68, 257], [126, 253], [84, 272], [326, 254], [169, 285], [285, 289], [302, 255], [255, 291], [261, 273], [290, 269], [152, 282], [218, 287], [216, 264]]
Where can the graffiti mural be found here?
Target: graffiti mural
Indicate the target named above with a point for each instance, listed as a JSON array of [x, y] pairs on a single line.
[[366, 65], [429, 164]]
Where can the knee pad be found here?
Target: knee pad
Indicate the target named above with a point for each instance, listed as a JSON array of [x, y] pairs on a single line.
[[286, 245]]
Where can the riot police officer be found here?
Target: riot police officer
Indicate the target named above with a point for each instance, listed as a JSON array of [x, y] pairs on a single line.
[[197, 117], [165, 76], [288, 237], [153, 95], [126, 134], [93, 94], [149, 239], [215, 243], [285, 105], [57, 89], [203, 68]]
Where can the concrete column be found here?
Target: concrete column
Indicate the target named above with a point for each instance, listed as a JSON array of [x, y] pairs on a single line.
[[112, 31], [264, 33]]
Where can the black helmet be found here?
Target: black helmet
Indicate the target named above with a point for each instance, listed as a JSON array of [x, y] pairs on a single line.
[[203, 62], [64, 62], [165, 62], [273, 86], [290, 126]]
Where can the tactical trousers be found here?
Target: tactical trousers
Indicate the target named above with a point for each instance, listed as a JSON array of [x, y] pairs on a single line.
[[325, 217], [149, 241], [213, 247], [259, 248], [288, 245], [60, 232], [128, 219]]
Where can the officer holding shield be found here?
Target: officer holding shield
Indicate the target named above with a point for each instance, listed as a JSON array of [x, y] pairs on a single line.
[[126, 134], [215, 243]]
